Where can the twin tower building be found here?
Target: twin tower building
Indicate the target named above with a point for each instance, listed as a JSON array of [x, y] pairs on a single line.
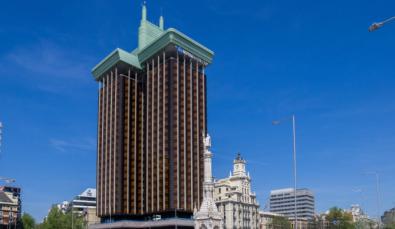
[[152, 128]]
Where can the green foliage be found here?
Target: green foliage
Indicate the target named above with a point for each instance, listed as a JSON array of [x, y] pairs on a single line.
[[279, 222], [365, 224], [337, 218], [58, 220], [389, 226], [28, 222], [314, 223]]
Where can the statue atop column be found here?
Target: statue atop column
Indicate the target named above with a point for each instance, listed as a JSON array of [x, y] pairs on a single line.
[[208, 215]]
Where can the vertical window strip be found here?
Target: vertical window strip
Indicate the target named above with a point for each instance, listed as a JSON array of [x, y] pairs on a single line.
[[152, 133], [147, 145], [157, 136], [136, 97]]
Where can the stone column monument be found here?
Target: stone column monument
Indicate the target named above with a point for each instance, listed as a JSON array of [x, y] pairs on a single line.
[[208, 216]]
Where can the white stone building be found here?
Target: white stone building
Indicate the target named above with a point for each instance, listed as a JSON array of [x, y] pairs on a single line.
[[235, 200], [83, 201], [83, 204], [64, 206], [357, 213]]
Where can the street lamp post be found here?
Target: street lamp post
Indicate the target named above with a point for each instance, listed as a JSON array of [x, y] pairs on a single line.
[[376, 174], [378, 198], [72, 215], [1, 133], [277, 122], [377, 25]]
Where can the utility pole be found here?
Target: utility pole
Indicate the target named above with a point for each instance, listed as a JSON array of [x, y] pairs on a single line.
[[378, 199]]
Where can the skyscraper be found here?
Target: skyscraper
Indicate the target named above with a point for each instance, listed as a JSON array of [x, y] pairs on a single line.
[[151, 126]]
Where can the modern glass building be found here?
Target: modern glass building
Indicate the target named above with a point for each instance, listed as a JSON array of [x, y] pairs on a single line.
[[282, 201], [151, 126]]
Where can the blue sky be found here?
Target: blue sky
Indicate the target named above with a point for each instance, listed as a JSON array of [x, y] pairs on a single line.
[[273, 58]]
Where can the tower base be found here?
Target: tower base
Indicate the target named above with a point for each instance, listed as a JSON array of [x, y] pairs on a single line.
[[165, 223]]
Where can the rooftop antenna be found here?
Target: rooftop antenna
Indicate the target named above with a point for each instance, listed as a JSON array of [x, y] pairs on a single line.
[[161, 20], [144, 11]]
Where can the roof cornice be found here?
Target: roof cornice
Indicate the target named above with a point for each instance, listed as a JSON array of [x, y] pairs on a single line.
[[176, 37], [113, 58]]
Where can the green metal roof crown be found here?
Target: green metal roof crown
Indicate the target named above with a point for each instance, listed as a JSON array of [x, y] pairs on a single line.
[[151, 40], [116, 56], [175, 37]]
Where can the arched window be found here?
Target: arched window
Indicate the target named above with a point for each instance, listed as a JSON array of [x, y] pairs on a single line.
[[203, 226], [216, 227]]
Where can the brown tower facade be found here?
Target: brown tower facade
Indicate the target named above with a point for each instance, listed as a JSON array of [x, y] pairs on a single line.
[[151, 126]]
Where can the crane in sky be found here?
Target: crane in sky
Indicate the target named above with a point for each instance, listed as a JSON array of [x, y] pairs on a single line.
[[4, 179]]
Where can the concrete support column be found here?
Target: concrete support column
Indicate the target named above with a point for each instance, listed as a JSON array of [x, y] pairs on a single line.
[[185, 130], [178, 131], [163, 128], [157, 137], [191, 130]]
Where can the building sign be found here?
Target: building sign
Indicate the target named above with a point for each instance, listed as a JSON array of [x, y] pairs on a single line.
[[188, 54]]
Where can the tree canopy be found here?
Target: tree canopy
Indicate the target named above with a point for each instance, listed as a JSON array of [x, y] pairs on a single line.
[[56, 219], [28, 221], [337, 218]]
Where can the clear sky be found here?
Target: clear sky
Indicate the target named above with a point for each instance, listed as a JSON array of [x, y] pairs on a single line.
[[272, 58]]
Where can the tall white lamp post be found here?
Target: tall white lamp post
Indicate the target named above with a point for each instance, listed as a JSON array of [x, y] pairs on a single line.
[[277, 122]]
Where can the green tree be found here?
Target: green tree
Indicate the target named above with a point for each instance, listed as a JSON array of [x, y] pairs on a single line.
[[389, 226], [280, 222], [365, 224], [56, 219], [337, 218], [313, 223], [28, 222]]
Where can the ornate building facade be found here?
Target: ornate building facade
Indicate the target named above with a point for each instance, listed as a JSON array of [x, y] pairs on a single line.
[[235, 200]]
